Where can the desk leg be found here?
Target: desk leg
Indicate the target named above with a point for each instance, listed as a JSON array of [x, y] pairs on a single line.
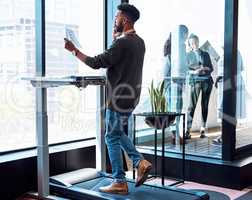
[[163, 155], [155, 152], [42, 143], [134, 141]]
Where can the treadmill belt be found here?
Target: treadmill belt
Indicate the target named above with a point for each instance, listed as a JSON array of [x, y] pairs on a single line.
[[145, 192]]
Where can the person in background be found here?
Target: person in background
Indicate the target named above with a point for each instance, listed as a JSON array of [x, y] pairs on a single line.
[[200, 81], [124, 63], [178, 75], [167, 67], [167, 76], [240, 91]]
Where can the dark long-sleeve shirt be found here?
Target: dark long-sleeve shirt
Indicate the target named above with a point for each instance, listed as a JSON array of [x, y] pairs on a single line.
[[194, 61], [124, 63]]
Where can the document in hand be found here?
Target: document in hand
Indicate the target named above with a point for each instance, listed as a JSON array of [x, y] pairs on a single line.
[[212, 52], [70, 35]]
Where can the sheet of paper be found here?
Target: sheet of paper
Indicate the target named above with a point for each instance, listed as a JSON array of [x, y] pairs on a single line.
[[70, 35], [212, 52]]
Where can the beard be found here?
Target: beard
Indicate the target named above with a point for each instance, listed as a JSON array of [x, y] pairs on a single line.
[[119, 28]]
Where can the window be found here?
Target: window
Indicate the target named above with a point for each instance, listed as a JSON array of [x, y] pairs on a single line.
[[17, 113], [72, 112], [244, 83], [158, 19]]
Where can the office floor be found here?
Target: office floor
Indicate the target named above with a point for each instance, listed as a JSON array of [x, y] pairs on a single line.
[[213, 191], [194, 146], [202, 147]]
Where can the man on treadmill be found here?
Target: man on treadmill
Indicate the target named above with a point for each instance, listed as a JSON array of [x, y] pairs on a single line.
[[124, 63]]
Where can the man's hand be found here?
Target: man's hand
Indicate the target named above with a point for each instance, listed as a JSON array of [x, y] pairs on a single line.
[[69, 45], [203, 70], [115, 34], [199, 71], [206, 68]]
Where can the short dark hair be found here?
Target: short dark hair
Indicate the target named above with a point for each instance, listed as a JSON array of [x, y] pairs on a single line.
[[131, 11]]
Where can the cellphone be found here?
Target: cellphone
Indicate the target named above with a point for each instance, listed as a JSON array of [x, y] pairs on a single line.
[[114, 28], [66, 40]]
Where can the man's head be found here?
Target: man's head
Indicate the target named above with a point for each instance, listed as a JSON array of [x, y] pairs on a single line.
[[193, 41], [127, 14]]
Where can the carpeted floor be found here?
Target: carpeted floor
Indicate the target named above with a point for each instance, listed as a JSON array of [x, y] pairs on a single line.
[[215, 195], [247, 196], [219, 193]]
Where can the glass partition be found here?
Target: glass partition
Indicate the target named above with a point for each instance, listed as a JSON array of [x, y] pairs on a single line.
[[244, 71], [168, 28]]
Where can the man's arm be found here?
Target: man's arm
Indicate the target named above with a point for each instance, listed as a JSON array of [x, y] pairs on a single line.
[[109, 58], [194, 66], [209, 67], [70, 47]]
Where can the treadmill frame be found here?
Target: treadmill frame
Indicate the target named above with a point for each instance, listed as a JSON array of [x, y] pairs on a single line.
[[77, 193]]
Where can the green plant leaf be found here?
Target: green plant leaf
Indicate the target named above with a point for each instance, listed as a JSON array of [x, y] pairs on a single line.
[[151, 99], [162, 88], [157, 97]]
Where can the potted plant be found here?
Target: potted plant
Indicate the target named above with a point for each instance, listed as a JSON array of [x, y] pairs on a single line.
[[160, 117]]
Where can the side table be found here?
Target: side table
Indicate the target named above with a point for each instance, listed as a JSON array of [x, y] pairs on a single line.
[[168, 116]]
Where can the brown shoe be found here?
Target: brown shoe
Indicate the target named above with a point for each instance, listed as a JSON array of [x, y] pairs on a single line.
[[115, 188], [143, 170]]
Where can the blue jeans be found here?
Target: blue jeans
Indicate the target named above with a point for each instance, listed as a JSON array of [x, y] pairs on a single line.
[[117, 126]]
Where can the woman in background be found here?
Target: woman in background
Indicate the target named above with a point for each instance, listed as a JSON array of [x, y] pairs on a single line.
[[200, 81]]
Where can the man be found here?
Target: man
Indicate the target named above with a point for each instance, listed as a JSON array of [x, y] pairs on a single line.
[[201, 81], [124, 62]]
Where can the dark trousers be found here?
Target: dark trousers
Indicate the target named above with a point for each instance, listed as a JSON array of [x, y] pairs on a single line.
[[205, 87], [177, 101]]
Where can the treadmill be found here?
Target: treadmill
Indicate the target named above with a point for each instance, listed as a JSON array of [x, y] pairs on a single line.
[[84, 183]]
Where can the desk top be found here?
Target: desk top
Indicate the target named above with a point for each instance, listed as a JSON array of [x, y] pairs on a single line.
[[163, 114], [78, 81]]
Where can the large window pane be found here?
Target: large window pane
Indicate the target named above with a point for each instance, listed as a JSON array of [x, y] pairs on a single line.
[[158, 20], [71, 112], [17, 113], [244, 71]]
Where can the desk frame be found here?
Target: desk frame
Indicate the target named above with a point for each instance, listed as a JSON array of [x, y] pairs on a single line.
[[41, 84]]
